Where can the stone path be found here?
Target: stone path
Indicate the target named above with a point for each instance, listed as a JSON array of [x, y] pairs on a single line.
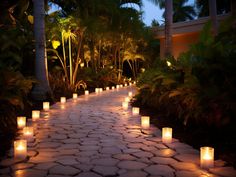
[[95, 137]]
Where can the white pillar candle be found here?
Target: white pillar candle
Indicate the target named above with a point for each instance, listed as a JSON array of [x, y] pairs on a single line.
[[35, 115], [75, 96], [125, 105], [107, 88], [86, 92], [28, 132], [21, 122], [46, 106], [130, 94], [207, 157], [127, 99], [145, 122], [63, 100], [166, 135], [135, 111], [20, 149]]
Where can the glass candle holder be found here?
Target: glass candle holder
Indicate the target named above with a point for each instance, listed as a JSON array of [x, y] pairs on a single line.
[[97, 90], [117, 86], [35, 115], [130, 94], [100, 90], [107, 88], [75, 96], [127, 99], [145, 122], [86, 92], [28, 132], [20, 149], [63, 100], [125, 105], [135, 111], [113, 87], [207, 157], [46, 106], [166, 135], [21, 122]]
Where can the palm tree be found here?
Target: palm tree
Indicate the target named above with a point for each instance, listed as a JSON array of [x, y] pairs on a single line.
[[168, 23], [42, 88]]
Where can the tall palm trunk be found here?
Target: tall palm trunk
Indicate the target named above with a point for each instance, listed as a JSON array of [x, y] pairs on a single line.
[[168, 27], [213, 15], [42, 88]]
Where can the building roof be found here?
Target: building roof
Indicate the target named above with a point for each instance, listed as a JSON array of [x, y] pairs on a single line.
[[181, 28]]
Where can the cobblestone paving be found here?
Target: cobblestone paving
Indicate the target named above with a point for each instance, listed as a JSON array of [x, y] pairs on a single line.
[[95, 137]]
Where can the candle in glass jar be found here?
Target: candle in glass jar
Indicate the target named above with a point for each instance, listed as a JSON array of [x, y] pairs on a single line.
[[97, 90], [125, 105], [46, 106], [28, 132], [107, 88], [125, 85], [127, 99], [166, 135], [117, 86], [21, 122], [145, 122], [135, 111], [207, 157], [75, 96], [35, 115], [86, 92], [112, 87], [130, 94], [63, 100], [100, 89], [20, 149]]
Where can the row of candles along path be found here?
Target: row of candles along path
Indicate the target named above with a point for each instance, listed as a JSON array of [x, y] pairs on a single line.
[[206, 153], [20, 146]]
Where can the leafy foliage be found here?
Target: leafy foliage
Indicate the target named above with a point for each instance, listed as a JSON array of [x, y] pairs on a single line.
[[199, 87]]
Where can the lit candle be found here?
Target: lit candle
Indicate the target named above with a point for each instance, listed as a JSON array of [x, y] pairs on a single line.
[[112, 87], [46, 106], [134, 82], [28, 132], [130, 94], [207, 157], [20, 149], [121, 85], [97, 90], [35, 115], [135, 111], [75, 95], [125, 85], [101, 90], [166, 135], [21, 122], [117, 86], [127, 99], [107, 88], [125, 105], [86, 92], [130, 84], [81, 65], [145, 122], [63, 100]]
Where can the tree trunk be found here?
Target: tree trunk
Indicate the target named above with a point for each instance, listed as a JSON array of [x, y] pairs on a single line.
[[168, 27], [233, 7], [42, 89], [213, 15]]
